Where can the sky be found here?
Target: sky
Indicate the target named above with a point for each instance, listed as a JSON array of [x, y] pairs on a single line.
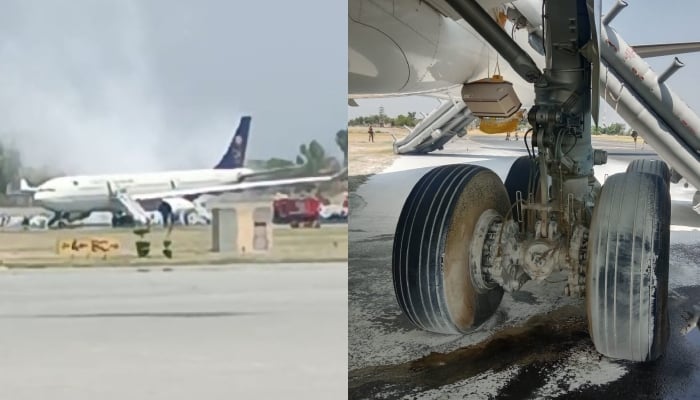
[[127, 85], [641, 22]]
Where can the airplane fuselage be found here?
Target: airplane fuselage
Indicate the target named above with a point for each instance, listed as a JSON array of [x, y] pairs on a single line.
[[88, 193], [409, 47]]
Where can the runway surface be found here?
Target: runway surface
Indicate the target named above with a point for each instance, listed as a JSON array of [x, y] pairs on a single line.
[[244, 332], [537, 344]]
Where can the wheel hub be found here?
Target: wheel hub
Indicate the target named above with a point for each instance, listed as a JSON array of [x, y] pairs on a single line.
[[481, 249]]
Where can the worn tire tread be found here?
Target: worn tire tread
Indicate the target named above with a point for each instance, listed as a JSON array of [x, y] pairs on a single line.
[[654, 167], [626, 290], [419, 246]]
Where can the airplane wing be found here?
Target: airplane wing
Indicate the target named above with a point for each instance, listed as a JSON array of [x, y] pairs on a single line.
[[666, 49], [268, 172], [238, 186]]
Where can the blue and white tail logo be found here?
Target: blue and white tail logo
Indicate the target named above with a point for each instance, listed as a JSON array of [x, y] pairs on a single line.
[[235, 155]]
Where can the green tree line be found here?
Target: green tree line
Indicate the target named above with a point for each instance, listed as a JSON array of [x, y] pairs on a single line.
[[381, 119], [615, 128]]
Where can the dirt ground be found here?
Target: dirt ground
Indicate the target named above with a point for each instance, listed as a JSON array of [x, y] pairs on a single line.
[[367, 158], [190, 245]]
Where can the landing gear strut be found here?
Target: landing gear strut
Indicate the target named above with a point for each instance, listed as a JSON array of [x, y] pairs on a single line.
[[121, 219], [62, 219], [57, 217], [464, 237]]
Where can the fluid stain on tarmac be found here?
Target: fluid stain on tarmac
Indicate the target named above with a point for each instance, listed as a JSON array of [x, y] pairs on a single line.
[[522, 296], [541, 339], [377, 238], [215, 314]]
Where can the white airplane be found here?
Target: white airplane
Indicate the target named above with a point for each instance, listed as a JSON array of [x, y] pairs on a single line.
[[463, 236], [127, 196]]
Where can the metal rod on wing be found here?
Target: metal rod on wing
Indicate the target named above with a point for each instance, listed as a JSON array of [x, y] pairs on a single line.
[[675, 66], [639, 77], [659, 135], [619, 5]]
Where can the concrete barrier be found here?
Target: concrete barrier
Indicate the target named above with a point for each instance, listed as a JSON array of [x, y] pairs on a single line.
[[241, 227]]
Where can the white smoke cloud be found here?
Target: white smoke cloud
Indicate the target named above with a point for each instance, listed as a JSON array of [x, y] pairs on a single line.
[[122, 86]]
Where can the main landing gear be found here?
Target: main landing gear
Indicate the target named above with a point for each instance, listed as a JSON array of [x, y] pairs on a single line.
[[122, 220], [464, 237], [62, 220], [461, 242]]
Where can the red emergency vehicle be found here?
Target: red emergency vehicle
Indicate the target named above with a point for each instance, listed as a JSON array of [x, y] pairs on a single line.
[[297, 212]]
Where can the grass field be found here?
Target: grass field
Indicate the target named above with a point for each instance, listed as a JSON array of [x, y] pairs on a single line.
[[190, 245]]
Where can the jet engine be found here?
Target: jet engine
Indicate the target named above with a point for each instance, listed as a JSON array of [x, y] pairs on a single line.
[[186, 212]]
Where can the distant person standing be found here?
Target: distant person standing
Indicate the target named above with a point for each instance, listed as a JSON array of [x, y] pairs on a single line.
[[522, 118], [634, 137], [371, 134]]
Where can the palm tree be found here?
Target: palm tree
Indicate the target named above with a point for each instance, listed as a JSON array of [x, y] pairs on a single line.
[[313, 158]]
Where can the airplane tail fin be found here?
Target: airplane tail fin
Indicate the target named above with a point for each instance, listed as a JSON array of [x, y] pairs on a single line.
[[24, 188], [235, 155]]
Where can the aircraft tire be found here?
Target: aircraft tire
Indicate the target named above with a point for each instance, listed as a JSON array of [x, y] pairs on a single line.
[[627, 278], [654, 167], [518, 178], [191, 218], [430, 270], [524, 176]]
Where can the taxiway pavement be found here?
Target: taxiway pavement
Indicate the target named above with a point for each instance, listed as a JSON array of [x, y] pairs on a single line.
[[249, 331]]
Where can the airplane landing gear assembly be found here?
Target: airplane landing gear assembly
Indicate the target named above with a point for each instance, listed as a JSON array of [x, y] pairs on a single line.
[[464, 237]]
